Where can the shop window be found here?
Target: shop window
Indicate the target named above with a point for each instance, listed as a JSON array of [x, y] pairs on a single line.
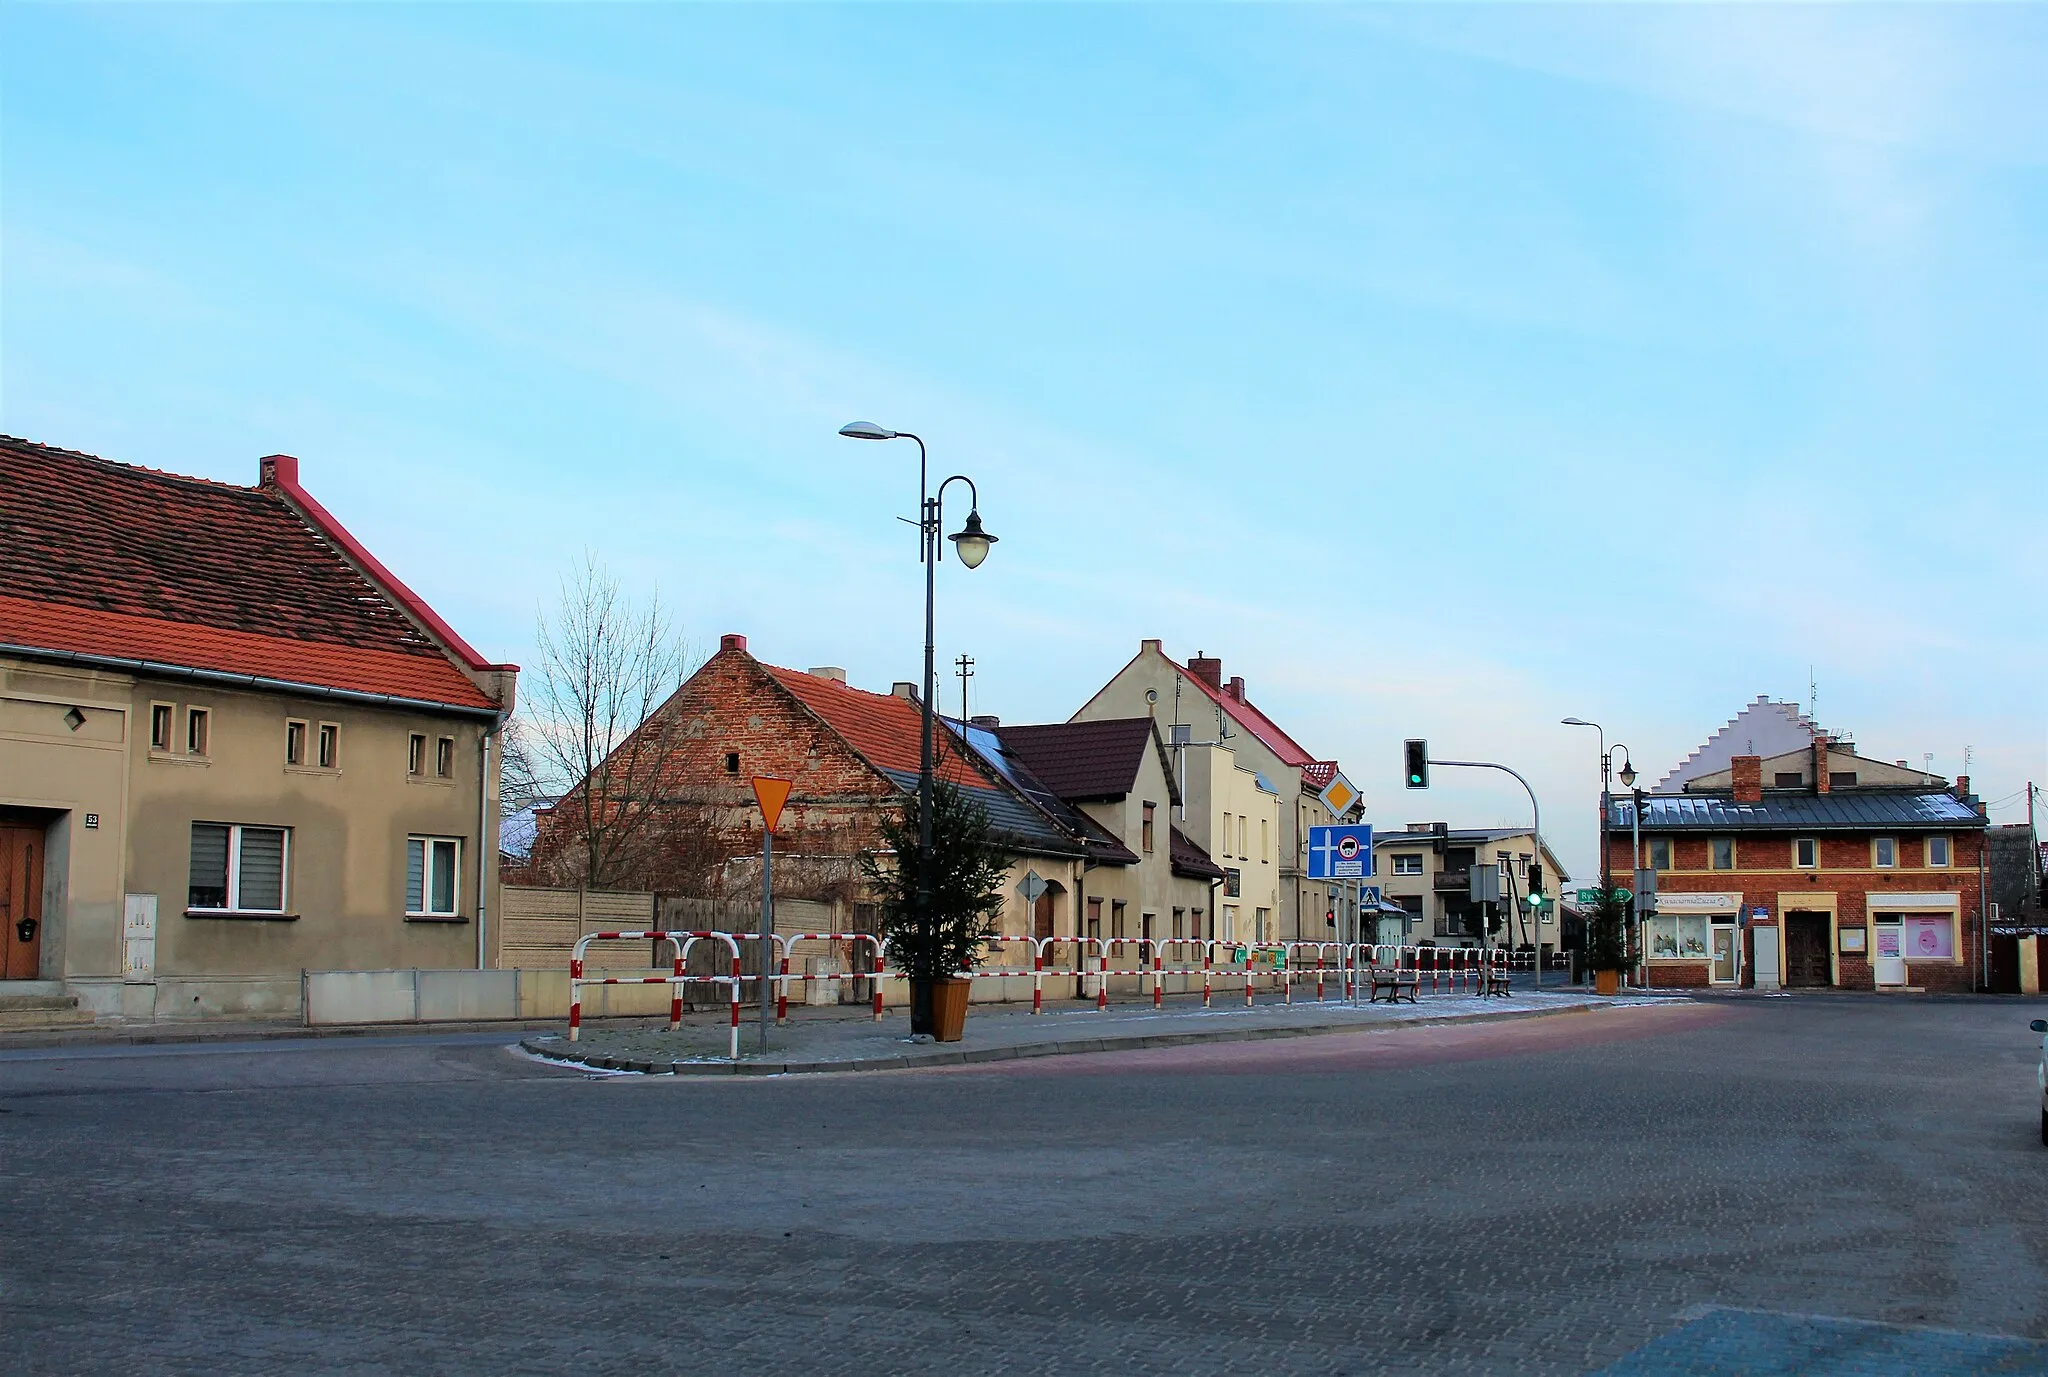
[[1806, 853], [1678, 937], [1938, 852], [1721, 853], [1884, 853], [237, 869], [1929, 937]]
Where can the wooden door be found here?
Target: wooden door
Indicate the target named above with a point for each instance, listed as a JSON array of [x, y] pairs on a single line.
[[1806, 951], [21, 902]]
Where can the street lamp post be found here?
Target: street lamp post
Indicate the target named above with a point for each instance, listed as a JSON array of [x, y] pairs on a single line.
[[971, 544], [1628, 781]]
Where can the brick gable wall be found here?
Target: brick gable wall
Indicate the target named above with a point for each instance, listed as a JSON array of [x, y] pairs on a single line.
[[707, 816]]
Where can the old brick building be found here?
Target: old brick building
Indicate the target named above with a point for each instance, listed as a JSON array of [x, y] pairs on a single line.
[[1815, 868], [852, 756]]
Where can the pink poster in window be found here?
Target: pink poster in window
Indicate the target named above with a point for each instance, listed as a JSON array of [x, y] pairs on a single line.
[[1887, 940], [1930, 939]]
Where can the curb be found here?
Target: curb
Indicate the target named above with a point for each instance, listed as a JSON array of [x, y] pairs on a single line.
[[38, 1039], [557, 1051]]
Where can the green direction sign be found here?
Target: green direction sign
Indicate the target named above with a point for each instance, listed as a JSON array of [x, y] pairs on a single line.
[[1624, 894], [1589, 896]]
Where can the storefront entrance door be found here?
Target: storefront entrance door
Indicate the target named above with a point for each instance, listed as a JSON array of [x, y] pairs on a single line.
[[1726, 969], [21, 902], [1806, 951]]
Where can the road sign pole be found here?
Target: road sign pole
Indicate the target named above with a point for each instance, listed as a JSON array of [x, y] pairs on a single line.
[[767, 929]]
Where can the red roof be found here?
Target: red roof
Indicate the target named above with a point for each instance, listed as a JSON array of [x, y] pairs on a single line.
[[1317, 774], [1251, 719], [884, 728], [100, 558]]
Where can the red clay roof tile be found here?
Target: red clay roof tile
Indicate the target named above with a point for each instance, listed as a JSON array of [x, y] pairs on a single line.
[[109, 559]]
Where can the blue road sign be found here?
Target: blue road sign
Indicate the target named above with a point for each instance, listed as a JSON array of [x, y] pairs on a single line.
[[1340, 853]]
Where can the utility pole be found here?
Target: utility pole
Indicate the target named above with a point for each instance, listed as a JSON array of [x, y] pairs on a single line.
[[965, 669]]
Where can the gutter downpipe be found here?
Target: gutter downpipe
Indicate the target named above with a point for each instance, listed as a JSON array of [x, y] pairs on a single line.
[[483, 804]]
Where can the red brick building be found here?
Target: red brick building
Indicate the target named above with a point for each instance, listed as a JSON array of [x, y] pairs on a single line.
[[1839, 872], [853, 759]]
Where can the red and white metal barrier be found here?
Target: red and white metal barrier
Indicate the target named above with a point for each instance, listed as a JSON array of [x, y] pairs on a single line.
[[849, 938], [577, 980]]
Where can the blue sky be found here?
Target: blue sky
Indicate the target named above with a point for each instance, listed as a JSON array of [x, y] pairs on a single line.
[[1447, 371]]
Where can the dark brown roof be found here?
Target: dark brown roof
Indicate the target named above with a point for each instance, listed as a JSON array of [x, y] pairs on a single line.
[[100, 558], [1191, 860], [1088, 760]]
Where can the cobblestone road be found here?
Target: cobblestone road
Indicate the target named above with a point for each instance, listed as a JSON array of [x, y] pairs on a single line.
[[1545, 1196]]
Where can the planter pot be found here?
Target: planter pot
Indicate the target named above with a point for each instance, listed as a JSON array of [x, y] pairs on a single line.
[[949, 1009], [1607, 982]]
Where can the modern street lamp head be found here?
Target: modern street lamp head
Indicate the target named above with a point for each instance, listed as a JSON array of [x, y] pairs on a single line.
[[866, 430], [971, 543], [1575, 722]]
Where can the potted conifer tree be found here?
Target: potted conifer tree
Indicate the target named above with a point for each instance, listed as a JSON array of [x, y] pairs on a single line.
[[1606, 945], [934, 942]]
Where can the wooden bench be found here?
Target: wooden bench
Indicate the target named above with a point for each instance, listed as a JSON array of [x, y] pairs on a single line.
[[1396, 982], [1494, 982]]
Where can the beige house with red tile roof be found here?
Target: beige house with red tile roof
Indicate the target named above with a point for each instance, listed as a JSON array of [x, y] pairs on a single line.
[[233, 747], [1250, 789]]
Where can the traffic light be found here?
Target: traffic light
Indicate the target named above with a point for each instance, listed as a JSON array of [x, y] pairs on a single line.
[[1536, 885], [1417, 754], [1439, 835]]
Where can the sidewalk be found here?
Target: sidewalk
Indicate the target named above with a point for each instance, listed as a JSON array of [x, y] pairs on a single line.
[[820, 1040]]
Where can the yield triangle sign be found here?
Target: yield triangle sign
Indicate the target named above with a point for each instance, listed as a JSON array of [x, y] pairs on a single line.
[[771, 794]]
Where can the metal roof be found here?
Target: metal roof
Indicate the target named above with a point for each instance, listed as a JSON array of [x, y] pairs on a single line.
[[1009, 817], [1854, 810]]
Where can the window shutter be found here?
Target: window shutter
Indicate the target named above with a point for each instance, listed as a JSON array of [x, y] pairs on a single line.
[[415, 876], [209, 882], [262, 870]]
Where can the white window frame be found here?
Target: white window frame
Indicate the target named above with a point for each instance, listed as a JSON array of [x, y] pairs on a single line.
[[234, 904], [427, 844], [170, 721], [444, 755], [416, 754], [323, 733], [1410, 864], [1948, 852], [199, 722], [1813, 842], [1878, 860], [302, 727]]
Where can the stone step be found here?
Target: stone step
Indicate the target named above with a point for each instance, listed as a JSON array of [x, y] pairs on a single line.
[[21, 1020], [27, 1003]]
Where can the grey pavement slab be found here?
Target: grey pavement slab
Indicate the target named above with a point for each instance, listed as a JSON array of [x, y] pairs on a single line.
[[817, 1040]]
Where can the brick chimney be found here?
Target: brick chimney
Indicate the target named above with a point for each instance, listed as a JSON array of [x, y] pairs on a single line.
[[1823, 780], [1747, 773], [731, 642], [1207, 670], [1236, 689], [275, 469], [1962, 786]]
